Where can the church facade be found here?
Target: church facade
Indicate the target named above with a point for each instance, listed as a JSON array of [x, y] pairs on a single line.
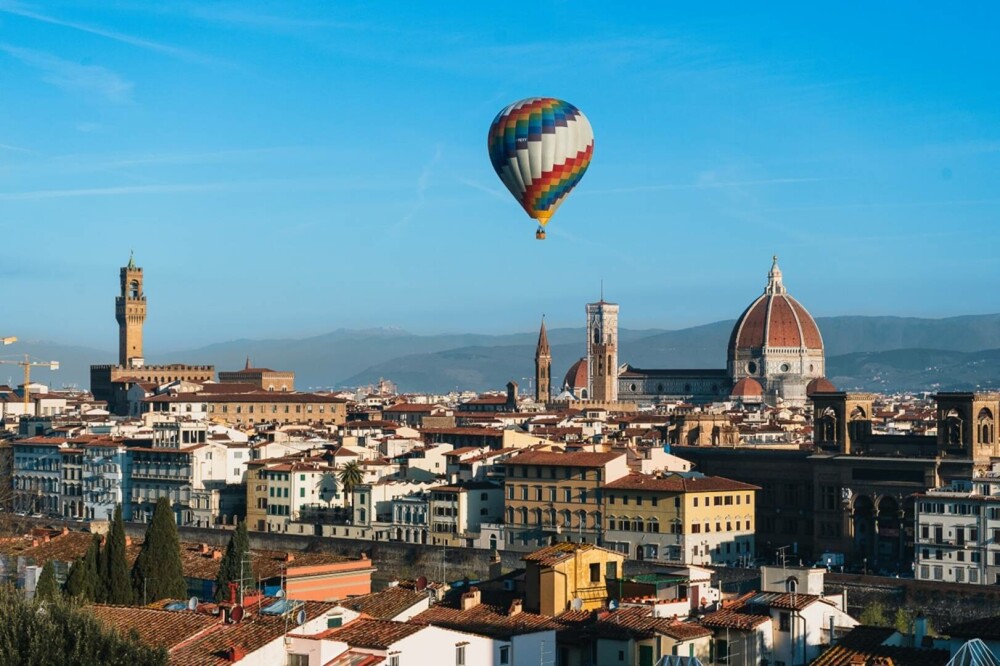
[[775, 354]]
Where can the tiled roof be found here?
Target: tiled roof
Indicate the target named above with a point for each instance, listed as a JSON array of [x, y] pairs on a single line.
[[386, 604], [637, 620], [561, 551], [678, 483], [371, 633], [986, 628], [578, 459], [863, 645], [487, 620], [738, 614], [253, 633], [159, 628]]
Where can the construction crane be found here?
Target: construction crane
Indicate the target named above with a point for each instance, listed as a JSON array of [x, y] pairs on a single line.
[[28, 364]]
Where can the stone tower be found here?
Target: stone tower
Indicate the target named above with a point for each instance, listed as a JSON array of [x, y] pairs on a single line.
[[130, 311], [602, 351], [543, 367]]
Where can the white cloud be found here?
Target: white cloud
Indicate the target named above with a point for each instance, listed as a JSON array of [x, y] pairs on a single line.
[[74, 77]]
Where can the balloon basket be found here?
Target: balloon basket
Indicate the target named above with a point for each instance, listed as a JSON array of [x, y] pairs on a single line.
[[540, 234]]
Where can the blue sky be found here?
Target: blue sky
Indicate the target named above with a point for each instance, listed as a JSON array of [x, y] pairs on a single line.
[[283, 171]]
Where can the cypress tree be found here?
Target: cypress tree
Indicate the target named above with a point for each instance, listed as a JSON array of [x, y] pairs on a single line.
[[229, 566], [116, 579], [157, 573], [83, 581], [47, 588]]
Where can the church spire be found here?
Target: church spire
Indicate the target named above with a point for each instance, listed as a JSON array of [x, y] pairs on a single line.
[[543, 366], [131, 260], [248, 366], [543, 339], [774, 285]]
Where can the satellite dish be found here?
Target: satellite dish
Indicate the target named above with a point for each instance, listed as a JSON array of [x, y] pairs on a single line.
[[612, 605], [577, 604], [193, 603], [237, 614], [421, 583], [279, 594], [300, 617]]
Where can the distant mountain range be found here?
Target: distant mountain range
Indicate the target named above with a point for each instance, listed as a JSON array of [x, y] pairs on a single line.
[[871, 353]]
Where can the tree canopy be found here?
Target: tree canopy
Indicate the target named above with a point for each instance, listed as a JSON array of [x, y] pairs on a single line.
[[83, 582], [47, 588], [62, 633], [350, 475], [157, 572]]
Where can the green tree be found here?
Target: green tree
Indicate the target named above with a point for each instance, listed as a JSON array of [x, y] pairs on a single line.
[[117, 586], [83, 581], [350, 476], [874, 615], [48, 587], [234, 563], [157, 572], [902, 621], [63, 633]]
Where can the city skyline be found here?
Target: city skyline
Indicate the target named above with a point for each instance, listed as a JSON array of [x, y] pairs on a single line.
[[312, 163]]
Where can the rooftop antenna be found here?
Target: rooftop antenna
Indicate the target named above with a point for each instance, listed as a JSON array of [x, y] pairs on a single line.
[[602, 290]]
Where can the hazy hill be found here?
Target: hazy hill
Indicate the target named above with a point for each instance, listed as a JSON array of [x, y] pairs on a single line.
[[441, 362]]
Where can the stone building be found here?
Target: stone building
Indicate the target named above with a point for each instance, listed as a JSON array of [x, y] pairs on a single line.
[[111, 383], [263, 378]]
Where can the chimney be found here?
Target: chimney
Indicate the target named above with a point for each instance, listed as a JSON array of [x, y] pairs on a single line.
[[45, 539], [216, 554], [471, 599], [128, 541], [289, 557], [203, 549], [235, 653], [515, 608], [232, 593], [496, 567], [65, 530], [919, 630]]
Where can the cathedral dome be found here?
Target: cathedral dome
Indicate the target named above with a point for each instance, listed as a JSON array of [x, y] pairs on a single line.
[[747, 387], [775, 320], [820, 385], [576, 377]]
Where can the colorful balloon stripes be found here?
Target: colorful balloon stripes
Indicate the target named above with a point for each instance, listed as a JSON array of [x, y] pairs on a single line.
[[540, 148]]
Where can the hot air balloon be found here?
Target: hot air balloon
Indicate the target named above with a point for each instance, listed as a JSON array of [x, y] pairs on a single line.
[[540, 147]]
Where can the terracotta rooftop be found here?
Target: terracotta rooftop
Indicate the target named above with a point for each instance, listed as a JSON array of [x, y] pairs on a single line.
[[863, 645], [678, 483], [386, 604], [371, 633], [561, 551], [156, 627], [487, 620], [577, 459], [738, 614], [638, 621]]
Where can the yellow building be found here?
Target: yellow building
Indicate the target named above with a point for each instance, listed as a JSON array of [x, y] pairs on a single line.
[[684, 518], [556, 495], [568, 576]]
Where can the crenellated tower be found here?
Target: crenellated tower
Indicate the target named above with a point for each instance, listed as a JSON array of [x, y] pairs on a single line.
[[543, 367], [130, 311]]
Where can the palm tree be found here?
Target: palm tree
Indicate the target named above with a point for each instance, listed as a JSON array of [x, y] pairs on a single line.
[[350, 476]]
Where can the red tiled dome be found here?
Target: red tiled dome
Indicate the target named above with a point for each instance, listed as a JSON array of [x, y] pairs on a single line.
[[576, 378], [748, 387], [820, 385], [775, 319]]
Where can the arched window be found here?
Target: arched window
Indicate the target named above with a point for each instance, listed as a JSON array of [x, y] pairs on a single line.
[[523, 515], [653, 525], [537, 516], [133, 289], [984, 426], [510, 515], [550, 518], [564, 518], [581, 519]]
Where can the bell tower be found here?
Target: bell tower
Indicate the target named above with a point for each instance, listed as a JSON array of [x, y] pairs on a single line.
[[130, 312], [602, 350], [543, 367]]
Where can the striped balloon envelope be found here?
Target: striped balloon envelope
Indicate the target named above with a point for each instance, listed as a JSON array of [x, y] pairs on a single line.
[[540, 147]]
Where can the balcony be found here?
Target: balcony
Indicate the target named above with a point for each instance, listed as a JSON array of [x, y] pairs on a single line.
[[162, 474]]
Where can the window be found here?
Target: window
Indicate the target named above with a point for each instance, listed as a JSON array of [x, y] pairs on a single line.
[[595, 573], [504, 655], [298, 660], [459, 655], [394, 660], [784, 622], [696, 501]]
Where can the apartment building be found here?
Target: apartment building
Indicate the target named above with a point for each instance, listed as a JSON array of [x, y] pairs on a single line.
[[957, 531], [686, 518], [553, 495], [457, 511]]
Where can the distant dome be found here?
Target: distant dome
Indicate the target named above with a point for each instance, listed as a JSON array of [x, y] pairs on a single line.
[[576, 377], [820, 385], [747, 388], [775, 320]]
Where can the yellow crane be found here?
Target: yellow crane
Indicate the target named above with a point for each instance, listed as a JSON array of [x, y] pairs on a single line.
[[28, 364]]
